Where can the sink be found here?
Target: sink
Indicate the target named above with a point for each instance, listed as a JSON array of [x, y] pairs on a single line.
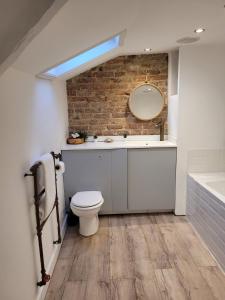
[[135, 144], [144, 144]]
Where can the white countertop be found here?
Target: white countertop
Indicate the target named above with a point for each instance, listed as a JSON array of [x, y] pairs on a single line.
[[124, 144]]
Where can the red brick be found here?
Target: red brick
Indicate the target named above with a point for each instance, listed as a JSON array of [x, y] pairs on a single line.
[[98, 99]]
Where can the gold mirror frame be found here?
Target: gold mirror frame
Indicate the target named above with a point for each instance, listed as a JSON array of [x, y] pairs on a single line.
[[161, 93]]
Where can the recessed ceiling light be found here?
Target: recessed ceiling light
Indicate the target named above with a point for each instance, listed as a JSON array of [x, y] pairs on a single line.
[[148, 49], [199, 30]]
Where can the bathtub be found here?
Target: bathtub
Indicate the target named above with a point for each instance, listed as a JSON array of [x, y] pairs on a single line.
[[206, 210], [213, 182]]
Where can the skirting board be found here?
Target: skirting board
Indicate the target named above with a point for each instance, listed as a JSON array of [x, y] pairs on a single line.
[[49, 269]]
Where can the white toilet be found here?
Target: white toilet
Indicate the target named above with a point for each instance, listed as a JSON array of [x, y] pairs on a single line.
[[86, 206]]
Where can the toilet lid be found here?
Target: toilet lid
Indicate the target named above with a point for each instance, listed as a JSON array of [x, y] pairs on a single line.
[[86, 199]]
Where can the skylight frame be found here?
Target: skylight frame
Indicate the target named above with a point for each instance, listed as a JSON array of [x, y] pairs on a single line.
[[98, 50]]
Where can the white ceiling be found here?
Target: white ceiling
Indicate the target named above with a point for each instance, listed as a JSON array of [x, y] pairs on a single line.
[[156, 24], [16, 20]]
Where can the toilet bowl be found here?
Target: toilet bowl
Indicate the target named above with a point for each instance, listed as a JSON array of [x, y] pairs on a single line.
[[86, 206]]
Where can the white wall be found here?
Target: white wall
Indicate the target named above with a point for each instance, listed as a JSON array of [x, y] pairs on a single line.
[[33, 120], [173, 105], [173, 100], [173, 60], [201, 117]]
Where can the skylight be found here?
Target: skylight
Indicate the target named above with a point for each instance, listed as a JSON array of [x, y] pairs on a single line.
[[84, 57]]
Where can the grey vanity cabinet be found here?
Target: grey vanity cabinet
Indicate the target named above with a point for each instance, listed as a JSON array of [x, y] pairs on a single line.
[[103, 170], [131, 180], [151, 179], [119, 180]]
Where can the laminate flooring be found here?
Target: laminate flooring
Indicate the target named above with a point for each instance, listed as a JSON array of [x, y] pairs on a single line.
[[141, 256]]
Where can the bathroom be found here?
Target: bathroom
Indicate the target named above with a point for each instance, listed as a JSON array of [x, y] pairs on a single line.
[[171, 248]]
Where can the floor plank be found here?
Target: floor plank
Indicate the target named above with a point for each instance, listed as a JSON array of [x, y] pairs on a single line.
[[170, 286], [147, 289], [199, 253], [59, 278], [183, 261], [91, 257], [136, 257], [158, 250], [137, 243], [121, 263], [195, 285], [123, 289], [215, 279], [74, 290], [176, 247]]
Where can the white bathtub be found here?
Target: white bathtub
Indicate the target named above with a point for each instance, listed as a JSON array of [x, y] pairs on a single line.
[[213, 182], [217, 187], [206, 210]]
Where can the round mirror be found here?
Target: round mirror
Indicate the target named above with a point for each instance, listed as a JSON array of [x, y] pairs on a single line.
[[146, 102]]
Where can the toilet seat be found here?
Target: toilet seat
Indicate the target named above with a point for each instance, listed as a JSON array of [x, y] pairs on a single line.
[[86, 205], [87, 199]]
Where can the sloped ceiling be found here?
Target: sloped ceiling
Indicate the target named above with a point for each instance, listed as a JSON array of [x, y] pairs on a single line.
[[16, 19], [156, 24]]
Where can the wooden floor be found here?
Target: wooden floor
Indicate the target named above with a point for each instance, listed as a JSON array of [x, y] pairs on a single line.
[[136, 257]]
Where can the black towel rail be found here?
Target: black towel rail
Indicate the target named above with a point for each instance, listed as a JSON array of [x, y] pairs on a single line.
[[40, 224]]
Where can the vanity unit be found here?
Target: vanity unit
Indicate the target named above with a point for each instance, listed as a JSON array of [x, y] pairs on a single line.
[[132, 176]]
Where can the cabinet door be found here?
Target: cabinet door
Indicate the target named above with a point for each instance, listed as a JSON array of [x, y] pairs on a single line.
[[119, 180], [88, 170], [151, 179]]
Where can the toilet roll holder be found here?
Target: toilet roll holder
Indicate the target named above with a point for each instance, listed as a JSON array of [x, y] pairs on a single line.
[[40, 224]]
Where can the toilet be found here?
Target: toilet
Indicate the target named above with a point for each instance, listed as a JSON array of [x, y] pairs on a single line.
[[86, 206]]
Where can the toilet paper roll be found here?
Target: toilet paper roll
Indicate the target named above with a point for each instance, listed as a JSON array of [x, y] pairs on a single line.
[[60, 167]]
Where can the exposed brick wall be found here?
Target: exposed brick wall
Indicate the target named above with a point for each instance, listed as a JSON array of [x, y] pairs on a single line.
[[98, 98]]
